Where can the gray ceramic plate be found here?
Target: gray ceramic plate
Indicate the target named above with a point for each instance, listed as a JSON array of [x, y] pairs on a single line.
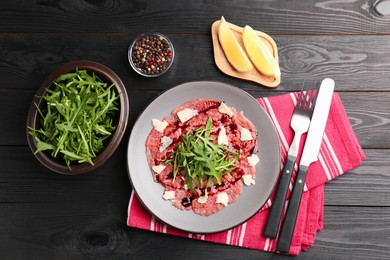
[[251, 199]]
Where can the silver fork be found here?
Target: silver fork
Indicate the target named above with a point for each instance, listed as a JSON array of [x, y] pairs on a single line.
[[300, 123]]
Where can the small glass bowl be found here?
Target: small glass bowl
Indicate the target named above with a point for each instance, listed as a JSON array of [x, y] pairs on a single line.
[[151, 54]]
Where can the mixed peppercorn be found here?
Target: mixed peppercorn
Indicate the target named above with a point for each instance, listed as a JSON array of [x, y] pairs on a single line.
[[152, 54]]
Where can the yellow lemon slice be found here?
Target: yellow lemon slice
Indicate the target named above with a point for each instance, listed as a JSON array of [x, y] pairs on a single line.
[[232, 49], [259, 54]]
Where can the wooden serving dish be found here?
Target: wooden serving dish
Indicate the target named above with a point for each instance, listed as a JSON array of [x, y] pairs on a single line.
[[224, 65]]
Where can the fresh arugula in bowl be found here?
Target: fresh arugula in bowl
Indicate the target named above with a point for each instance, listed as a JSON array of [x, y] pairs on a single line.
[[80, 114]]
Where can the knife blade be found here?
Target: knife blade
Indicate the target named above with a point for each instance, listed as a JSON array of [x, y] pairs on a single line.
[[309, 155]]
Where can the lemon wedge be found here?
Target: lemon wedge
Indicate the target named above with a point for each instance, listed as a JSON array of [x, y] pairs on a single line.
[[232, 49], [259, 54]]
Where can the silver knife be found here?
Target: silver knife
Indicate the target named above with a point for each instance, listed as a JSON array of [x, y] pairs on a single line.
[[309, 155]]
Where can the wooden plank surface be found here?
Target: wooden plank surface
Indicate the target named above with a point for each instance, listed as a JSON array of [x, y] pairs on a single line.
[[80, 231], [44, 215], [276, 17], [28, 59]]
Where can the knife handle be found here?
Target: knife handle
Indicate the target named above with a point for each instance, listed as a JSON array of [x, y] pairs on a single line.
[[290, 218], [272, 226]]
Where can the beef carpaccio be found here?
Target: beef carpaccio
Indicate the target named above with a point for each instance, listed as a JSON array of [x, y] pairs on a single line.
[[235, 138]]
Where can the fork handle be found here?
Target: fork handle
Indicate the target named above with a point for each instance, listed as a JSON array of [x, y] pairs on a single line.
[[272, 226], [290, 218]]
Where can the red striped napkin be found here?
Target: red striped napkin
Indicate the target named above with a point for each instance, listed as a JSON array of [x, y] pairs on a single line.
[[340, 152]]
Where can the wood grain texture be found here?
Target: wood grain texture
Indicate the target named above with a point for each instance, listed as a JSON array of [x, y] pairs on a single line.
[[273, 17], [44, 215], [40, 185], [365, 185], [26, 60], [76, 231], [367, 115]]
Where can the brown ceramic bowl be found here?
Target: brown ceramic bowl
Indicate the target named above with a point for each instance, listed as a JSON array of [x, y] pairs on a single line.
[[33, 120]]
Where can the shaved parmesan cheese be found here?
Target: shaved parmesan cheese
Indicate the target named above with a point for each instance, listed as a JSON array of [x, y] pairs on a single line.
[[224, 109], [222, 137], [187, 114], [223, 198], [158, 168], [159, 125], [165, 142], [248, 180], [253, 160], [169, 194], [245, 135], [202, 199]]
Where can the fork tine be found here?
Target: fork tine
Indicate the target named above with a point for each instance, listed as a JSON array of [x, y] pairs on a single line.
[[299, 101], [306, 100], [313, 95], [316, 88]]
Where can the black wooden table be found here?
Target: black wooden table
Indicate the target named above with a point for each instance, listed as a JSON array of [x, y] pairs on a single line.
[[44, 215]]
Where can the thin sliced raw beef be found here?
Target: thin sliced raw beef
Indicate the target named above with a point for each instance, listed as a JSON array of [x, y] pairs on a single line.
[[203, 199]]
